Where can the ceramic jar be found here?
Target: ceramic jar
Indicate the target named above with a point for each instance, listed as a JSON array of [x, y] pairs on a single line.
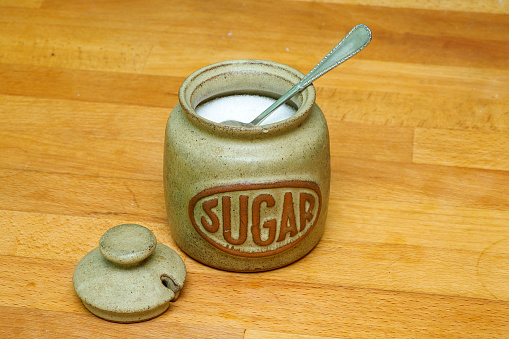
[[246, 198]]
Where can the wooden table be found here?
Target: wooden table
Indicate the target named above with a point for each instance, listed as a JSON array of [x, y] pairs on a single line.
[[417, 237]]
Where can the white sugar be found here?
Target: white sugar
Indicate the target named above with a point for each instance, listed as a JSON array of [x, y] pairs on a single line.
[[243, 108]]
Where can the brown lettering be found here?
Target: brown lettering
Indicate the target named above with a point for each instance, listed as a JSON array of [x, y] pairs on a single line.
[[278, 218], [306, 215], [243, 199], [288, 217], [270, 224], [207, 208]]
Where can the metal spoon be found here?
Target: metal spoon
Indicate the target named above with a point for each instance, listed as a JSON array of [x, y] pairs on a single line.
[[352, 43]]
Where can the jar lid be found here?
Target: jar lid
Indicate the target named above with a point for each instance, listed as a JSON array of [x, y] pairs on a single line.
[[130, 277]]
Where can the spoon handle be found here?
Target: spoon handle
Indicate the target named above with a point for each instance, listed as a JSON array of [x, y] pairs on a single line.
[[352, 43]]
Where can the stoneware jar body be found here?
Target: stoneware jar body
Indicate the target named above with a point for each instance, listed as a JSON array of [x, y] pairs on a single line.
[[240, 198]]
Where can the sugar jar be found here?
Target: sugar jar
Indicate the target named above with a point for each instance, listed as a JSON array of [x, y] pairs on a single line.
[[246, 198]]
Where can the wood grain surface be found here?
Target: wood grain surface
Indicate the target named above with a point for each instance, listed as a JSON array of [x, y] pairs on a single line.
[[417, 235]]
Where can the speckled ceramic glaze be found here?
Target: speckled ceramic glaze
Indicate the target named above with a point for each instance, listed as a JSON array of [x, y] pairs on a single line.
[[130, 277], [240, 198]]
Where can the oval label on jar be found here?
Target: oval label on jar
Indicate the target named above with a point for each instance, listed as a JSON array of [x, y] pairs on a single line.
[[256, 220]]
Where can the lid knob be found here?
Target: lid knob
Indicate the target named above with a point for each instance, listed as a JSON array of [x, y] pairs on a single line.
[[127, 244]]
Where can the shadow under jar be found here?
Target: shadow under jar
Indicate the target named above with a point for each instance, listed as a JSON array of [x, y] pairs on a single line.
[[246, 198]]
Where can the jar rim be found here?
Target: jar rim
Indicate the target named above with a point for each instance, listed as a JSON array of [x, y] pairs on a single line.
[[218, 74]]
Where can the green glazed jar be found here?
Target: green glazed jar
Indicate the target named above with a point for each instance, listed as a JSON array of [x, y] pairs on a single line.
[[246, 198]]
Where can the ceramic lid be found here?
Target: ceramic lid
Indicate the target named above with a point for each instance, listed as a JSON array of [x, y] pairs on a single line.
[[130, 277]]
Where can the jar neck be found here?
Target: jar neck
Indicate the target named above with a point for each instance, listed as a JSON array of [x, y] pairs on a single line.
[[252, 77]]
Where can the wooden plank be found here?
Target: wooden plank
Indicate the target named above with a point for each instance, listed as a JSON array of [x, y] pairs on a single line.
[[395, 254], [75, 48], [89, 86], [462, 148], [22, 3], [477, 83], [303, 55], [426, 110], [281, 306], [357, 179], [41, 284], [460, 44], [456, 8], [355, 140], [79, 154], [253, 302], [30, 322], [105, 140], [255, 334], [398, 268], [412, 224], [94, 120], [490, 6], [51, 233], [68, 194], [406, 36]]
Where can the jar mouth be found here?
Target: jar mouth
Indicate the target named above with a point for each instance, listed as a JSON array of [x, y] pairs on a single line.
[[245, 76]]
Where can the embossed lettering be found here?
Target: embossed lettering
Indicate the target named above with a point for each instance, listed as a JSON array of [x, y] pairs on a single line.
[[207, 208], [256, 219], [269, 224], [288, 217], [306, 215], [227, 220]]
